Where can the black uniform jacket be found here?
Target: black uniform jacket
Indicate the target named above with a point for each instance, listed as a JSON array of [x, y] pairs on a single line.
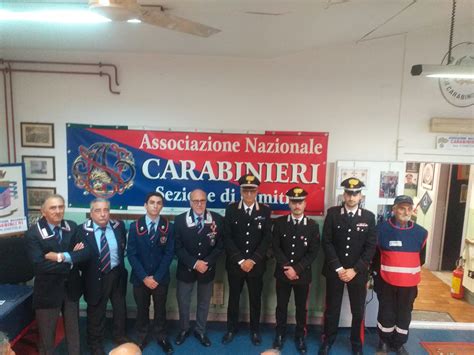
[[296, 246], [191, 246], [150, 258], [54, 280], [91, 274], [247, 237], [348, 242]]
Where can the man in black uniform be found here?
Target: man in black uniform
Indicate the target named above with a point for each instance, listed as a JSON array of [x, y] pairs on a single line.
[[247, 237], [104, 275], [295, 246], [349, 239], [55, 250], [198, 244]]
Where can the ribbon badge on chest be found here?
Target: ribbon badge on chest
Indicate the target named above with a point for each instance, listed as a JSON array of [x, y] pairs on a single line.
[[212, 234]]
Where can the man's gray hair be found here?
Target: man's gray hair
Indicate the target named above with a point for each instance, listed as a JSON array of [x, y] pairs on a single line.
[[97, 200], [49, 197]]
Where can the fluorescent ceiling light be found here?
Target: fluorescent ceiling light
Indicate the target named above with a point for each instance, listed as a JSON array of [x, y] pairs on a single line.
[[57, 16], [134, 20], [443, 71]]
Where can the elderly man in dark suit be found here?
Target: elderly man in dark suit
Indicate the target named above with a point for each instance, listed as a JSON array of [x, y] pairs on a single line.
[[247, 238], [198, 243], [104, 274], [55, 250], [349, 239], [150, 252], [295, 246]]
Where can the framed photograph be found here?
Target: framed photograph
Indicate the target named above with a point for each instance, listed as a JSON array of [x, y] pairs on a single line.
[[463, 172], [412, 167], [361, 174], [39, 167], [427, 176], [463, 194], [388, 184], [35, 196], [411, 181], [37, 135], [33, 217]]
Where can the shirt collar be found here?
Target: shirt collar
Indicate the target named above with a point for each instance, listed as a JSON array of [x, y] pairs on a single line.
[[52, 226], [148, 220], [97, 227], [245, 206], [353, 210]]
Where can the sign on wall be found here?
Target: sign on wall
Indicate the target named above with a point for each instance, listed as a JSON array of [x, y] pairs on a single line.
[[12, 199], [124, 164]]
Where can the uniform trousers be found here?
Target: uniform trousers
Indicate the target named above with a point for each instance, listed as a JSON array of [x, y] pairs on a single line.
[[143, 296], [112, 288], [394, 317], [254, 286], [184, 291], [283, 292], [357, 290], [47, 319]]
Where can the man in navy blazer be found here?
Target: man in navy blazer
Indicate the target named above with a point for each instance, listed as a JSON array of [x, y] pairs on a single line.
[[150, 252], [102, 283], [55, 250], [199, 243]]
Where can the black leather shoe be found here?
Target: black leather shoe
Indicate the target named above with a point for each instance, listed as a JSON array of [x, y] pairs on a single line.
[[203, 339], [382, 348], [166, 346], [181, 337], [324, 349], [256, 339], [228, 337], [300, 345], [357, 352], [278, 342]]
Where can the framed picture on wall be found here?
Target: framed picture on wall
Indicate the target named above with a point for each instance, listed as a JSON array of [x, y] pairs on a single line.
[[361, 174], [35, 196], [388, 184], [39, 167], [37, 135], [427, 176]]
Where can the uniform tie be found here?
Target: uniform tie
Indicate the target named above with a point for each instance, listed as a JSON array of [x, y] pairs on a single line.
[[152, 231], [57, 234], [104, 252], [351, 214], [297, 221], [200, 225], [248, 211]]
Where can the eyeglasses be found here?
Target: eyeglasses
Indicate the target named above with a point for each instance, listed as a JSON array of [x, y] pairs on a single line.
[[198, 202]]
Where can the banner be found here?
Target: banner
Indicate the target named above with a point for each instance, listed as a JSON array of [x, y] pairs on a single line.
[[123, 165], [12, 199]]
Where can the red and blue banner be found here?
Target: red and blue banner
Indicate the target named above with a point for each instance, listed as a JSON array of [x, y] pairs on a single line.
[[123, 165]]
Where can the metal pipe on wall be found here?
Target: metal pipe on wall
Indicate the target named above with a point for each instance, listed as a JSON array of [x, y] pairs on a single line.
[[7, 74]]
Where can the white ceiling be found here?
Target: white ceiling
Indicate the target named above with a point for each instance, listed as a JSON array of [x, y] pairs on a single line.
[[285, 27]]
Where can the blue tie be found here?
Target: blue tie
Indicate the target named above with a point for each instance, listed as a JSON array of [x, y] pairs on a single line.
[[200, 225], [152, 231], [104, 252], [57, 234]]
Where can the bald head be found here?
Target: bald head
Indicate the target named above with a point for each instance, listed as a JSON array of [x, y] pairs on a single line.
[[126, 349]]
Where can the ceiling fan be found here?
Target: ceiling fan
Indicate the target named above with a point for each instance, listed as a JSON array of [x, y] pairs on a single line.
[[123, 10]]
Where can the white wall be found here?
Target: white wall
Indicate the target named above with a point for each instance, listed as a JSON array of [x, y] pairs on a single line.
[[358, 93]]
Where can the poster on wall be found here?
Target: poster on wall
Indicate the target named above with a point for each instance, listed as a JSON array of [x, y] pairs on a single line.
[[124, 164], [12, 199]]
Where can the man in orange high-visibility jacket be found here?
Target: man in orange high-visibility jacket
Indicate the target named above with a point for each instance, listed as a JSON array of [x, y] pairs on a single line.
[[401, 246]]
